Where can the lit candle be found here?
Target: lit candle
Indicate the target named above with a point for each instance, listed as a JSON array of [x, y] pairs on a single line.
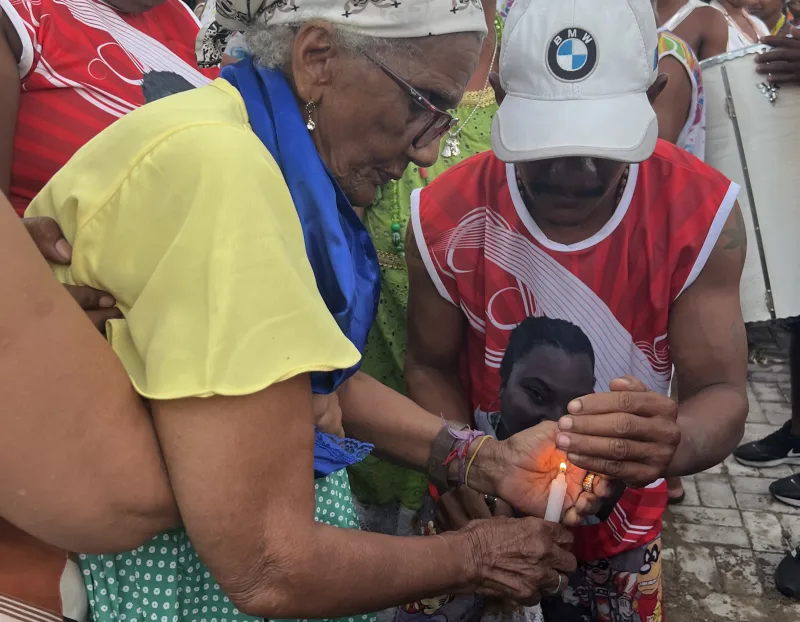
[[558, 490]]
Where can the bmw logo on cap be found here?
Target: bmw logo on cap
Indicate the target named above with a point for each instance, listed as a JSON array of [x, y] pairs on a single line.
[[572, 55]]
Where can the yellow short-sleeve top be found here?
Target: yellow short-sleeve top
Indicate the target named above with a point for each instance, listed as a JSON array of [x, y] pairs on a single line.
[[181, 213]]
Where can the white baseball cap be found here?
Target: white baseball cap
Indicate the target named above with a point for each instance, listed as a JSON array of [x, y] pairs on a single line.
[[576, 74]]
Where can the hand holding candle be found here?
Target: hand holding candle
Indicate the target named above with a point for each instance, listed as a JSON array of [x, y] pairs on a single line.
[[558, 491]]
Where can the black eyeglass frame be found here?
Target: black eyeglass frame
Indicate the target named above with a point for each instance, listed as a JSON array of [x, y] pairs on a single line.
[[440, 121]]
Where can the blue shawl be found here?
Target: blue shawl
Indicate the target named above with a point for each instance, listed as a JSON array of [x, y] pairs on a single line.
[[339, 248]]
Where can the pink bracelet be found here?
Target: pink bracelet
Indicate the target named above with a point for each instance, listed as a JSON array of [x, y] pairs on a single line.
[[464, 438]]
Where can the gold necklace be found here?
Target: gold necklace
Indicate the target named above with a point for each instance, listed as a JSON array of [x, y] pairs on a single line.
[[452, 146]]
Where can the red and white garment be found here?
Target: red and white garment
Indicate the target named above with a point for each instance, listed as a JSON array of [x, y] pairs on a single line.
[[486, 255], [83, 66]]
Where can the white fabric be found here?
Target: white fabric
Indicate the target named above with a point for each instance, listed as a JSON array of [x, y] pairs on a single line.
[[736, 38], [576, 74], [682, 13], [377, 18]]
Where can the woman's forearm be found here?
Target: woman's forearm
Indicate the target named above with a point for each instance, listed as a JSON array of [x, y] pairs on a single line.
[[339, 572], [404, 432], [399, 429]]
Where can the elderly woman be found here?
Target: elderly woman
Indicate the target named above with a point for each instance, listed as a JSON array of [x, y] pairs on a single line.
[[220, 221]]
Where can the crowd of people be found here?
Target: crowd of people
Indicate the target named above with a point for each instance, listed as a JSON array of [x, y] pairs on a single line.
[[440, 252]]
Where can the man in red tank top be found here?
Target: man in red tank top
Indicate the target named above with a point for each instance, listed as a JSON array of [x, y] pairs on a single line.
[[583, 215]]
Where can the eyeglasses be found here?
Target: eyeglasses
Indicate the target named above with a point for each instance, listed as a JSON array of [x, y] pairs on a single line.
[[439, 122]]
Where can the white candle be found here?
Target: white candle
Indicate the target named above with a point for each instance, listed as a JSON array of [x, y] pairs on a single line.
[[558, 490]]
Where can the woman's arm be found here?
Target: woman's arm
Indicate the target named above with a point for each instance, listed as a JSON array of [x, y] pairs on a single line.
[[242, 471], [10, 52], [81, 466]]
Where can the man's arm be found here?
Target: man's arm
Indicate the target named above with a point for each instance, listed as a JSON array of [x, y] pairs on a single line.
[[436, 331], [709, 349], [10, 53], [81, 465], [673, 103]]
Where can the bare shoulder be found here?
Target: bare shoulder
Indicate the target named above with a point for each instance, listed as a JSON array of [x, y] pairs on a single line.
[[726, 262]]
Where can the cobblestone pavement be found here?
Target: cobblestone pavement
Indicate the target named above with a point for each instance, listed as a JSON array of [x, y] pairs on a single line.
[[723, 542]]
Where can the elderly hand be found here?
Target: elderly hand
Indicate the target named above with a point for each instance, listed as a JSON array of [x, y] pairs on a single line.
[[630, 433], [328, 414], [520, 559], [781, 65], [526, 465], [47, 236]]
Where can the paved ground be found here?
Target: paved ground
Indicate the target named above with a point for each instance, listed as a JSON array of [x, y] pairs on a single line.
[[723, 543]]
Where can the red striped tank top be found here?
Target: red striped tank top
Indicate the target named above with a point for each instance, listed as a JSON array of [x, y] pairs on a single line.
[[486, 255], [83, 66]]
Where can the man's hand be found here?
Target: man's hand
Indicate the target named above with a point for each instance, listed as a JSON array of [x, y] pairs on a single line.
[[630, 433], [781, 65], [99, 306]]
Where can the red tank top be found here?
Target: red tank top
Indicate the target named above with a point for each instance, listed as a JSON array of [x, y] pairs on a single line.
[[486, 255], [83, 66]]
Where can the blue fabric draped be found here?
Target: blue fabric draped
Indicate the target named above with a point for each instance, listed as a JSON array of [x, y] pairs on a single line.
[[339, 248]]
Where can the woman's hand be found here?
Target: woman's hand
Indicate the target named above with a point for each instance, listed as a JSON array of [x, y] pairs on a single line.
[[99, 306], [527, 463], [521, 559], [328, 414]]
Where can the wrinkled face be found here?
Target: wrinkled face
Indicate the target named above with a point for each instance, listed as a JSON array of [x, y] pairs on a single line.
[[764, 9], [649, 578], [365, 121], [541, 385], [134, 6], [565, 191]]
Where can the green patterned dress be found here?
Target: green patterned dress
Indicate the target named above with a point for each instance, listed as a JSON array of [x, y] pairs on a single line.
[[388, 495], [165, 580]]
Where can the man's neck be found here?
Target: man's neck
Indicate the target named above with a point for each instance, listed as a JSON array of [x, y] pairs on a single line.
[[583, 228]]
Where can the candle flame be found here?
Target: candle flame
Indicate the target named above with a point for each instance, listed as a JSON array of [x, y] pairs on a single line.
[[562, 468]]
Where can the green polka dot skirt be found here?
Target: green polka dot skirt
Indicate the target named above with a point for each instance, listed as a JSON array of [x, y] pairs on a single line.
[[165, 581]]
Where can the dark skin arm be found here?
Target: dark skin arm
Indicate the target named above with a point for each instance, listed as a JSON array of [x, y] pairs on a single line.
[[673, 103], [706, 31], [436, 330], [709, 349], [10, 53]]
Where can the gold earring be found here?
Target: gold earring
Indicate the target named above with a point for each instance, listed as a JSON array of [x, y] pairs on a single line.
[[310, 108]]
